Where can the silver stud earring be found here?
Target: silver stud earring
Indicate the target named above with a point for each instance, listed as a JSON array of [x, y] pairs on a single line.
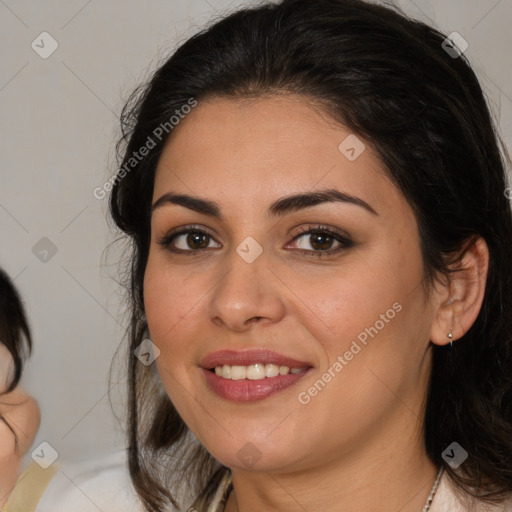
[[450, 336]]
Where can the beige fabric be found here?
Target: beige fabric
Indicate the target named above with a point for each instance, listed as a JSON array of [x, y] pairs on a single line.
[[29, 489]]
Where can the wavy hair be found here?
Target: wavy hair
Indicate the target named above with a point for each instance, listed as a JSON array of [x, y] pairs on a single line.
[[389, 79]]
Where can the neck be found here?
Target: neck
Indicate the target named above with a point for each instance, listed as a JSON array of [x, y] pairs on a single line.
[[387, 474]]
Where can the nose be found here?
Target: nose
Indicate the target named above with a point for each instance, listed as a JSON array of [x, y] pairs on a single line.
[[249, 293]]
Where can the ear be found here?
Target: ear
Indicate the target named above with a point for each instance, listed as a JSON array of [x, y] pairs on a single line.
[[460, 299]]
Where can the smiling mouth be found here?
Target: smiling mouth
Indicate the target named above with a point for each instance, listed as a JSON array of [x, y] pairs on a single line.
[[251, 375], [257, 371], [250, 383]]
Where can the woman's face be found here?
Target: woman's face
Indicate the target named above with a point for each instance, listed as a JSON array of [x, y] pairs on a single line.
[[249, 293]]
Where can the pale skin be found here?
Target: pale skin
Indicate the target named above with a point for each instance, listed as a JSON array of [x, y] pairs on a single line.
[[357, 445]]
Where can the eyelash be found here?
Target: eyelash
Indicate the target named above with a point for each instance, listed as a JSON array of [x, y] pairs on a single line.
[[344, 241]]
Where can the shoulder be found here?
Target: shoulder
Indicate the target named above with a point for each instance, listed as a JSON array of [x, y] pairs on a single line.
[[99, 484], [449, 499]]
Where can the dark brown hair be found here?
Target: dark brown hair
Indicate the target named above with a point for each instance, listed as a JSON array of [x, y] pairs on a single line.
[[14, 329], [14, 335], [389, 79]]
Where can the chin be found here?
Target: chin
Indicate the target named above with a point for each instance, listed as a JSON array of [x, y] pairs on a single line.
[[255, 454]]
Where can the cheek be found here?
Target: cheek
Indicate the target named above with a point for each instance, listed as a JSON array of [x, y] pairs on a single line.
[[166, 303], [169, 299], [173, 301], [380, 334], [373, 317], [340, 305]]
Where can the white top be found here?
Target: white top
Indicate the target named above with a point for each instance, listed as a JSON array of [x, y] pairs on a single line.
[[447, 499], [97, 485], [104, 484]]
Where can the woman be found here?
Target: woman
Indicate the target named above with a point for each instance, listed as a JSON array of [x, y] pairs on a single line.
[[19, 412], [321, 259], [320, 281]]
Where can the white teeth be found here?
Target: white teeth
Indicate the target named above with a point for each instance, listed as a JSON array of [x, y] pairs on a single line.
[[271, 370], [226, 371], [238, 372], [255, 371]]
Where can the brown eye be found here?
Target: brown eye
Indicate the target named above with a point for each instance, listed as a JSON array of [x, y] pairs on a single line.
[[197, 240], [187, 240], [319, 242]]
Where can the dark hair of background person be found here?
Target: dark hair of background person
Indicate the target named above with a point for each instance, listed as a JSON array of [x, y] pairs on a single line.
[[14, 328], [14, 334], [387, 78]]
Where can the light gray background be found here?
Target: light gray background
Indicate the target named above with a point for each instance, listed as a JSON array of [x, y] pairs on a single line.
[[59, 125]]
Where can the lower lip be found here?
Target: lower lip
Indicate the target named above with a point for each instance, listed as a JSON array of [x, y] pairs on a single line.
[[245, 390]]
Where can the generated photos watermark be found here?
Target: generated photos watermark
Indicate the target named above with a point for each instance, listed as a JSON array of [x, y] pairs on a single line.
[[344, 359], [136, 157]]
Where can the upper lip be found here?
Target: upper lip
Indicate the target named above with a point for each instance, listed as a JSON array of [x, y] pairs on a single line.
[[248, 357]]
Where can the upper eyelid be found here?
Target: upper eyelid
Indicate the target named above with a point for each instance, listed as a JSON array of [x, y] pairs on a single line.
[[303, 230], [189, 227]]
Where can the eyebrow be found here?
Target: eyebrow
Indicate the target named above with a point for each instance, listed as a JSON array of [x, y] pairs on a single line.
[[279, 208]]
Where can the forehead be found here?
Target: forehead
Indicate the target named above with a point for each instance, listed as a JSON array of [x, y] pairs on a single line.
[[250, 150]]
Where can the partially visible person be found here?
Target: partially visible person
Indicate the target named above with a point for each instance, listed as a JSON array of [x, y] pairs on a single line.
[[19, 412], [38, 488]]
